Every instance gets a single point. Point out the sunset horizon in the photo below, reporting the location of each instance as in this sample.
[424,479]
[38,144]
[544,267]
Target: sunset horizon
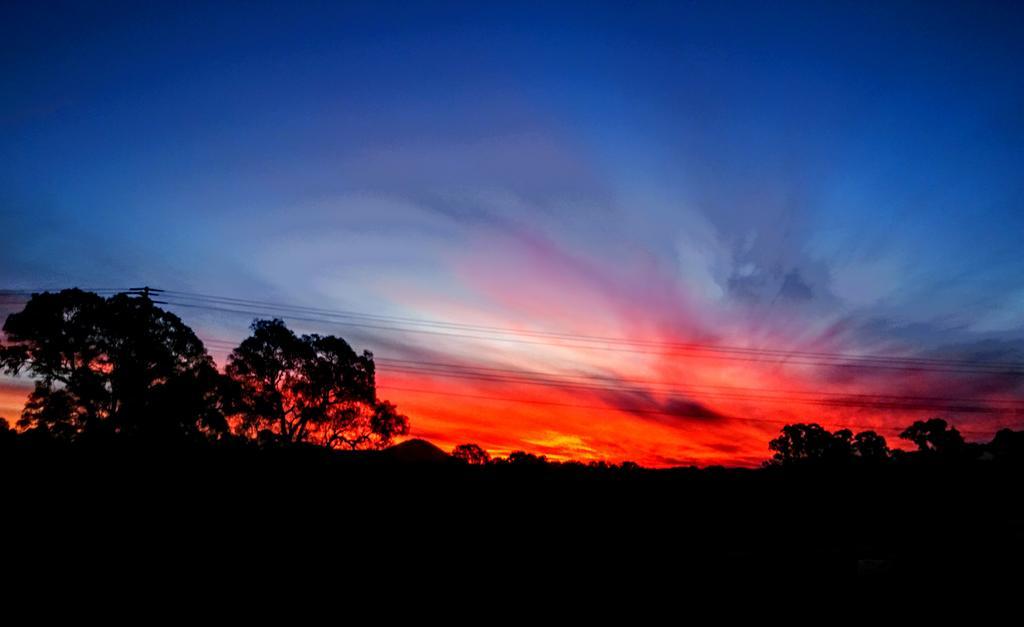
[509,302]
[512,400]
[718,202]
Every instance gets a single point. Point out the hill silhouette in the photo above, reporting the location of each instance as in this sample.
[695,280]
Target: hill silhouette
[416,451]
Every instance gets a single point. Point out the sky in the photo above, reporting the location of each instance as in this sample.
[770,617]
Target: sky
[645,231]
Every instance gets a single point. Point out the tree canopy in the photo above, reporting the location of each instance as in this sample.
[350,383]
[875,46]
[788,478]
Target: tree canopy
[934,436]
[309,388]
[118,364]
[804,443]
[471,454]
[123,365]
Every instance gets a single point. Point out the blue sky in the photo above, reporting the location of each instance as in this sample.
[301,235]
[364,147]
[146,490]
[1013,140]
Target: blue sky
[808,173]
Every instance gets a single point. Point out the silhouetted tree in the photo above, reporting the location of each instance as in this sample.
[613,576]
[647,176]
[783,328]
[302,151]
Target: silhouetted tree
[870,446]
[1008,446]
[523,458]
[311,388]
[811,443]
[119,365]
[366,426]
[842,444]
[471,454]
[934,436]
[802,443]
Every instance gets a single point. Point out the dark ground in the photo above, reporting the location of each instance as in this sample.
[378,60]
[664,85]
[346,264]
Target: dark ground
[442,527]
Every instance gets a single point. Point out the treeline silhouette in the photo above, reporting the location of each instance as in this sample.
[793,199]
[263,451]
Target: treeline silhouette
[122,366]
[291,453]
[811,445]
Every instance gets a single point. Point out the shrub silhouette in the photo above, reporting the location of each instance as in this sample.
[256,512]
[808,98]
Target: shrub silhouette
[1008,445]
[522,458]
[471,454]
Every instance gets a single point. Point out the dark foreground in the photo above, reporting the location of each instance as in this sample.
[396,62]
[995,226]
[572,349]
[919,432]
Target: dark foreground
[432,526]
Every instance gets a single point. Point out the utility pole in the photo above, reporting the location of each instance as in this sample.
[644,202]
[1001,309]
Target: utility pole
[146,292]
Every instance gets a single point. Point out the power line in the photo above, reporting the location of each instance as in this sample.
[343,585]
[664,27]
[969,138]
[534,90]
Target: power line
[980,369]
[590,338]
[821,358]
[586,382]
[901,402]
[751,394]
[97,290]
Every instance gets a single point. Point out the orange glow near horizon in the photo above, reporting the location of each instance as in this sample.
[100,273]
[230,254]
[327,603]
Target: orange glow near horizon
[723,428]
[644,397]
[546,352]
[587,421]
[12,399]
